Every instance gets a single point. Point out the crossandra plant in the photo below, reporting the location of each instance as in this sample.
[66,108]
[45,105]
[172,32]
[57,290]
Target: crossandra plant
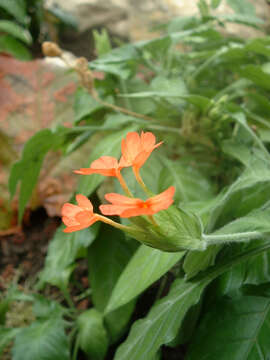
[196,283]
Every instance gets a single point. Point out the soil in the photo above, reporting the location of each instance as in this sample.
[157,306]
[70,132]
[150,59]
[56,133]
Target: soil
[25,250]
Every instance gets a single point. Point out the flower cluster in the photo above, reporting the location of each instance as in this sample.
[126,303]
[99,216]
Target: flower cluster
[136,148]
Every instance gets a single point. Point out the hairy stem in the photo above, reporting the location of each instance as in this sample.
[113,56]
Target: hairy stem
[229,238]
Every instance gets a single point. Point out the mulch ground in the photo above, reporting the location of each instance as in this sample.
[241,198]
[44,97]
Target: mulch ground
[24,251]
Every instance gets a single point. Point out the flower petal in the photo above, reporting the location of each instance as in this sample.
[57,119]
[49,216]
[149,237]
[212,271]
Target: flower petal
[131,146]
[137,148]
[141,159]
[118,199]
[70,229]
[70,210]
[135,212]
[105,165]
[147,141]
[161,201]
[86,218]
[105,162]
[84,202]
[69,221]
[108,209]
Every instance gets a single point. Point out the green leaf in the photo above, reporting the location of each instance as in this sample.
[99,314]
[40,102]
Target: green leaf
[243,19]
[203,8]
[255,270]
[140,105]
[171,89]
[189,183]
[242,6]
[242,324]
[145,267]
[197,261]
[257,75]
[165,87]
[248,192]
[180,23]
[258,220]
[215,3]
[65,17]
[162,323]
[16,8]
[63,250]
[92,335]
[201,102]
[43,340]
[259,46]
[27,169]
[14,47]
[102,42]
[6,336]
[85,104]
[45,308]
[120,61]
[107,258]
[240,151]
[154,50]
[15,30]
[4,307]
[110,145]
[258,104]
[117,321]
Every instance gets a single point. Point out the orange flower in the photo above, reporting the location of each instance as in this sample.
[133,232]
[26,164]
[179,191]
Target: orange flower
[78,217]
[136,149]
[128,207]
[105,165]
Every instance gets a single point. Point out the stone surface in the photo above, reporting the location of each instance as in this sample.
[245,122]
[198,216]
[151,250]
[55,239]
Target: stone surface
[133,19]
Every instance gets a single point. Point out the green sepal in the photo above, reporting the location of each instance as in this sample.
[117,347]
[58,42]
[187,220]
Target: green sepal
[176,230]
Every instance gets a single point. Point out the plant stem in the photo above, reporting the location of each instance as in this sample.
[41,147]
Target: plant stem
[67,297]
[120,109]
[115,224]
[123,184]
[124,90]
[153,221]
[92,91]
[229,238]
[164,128]
[141,182]
[76,348]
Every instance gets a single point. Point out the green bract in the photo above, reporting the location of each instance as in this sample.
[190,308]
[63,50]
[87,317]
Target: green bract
[176,230]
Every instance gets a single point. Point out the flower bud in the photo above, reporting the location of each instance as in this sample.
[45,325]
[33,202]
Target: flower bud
[85,73]
[51,49]
[177,230]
